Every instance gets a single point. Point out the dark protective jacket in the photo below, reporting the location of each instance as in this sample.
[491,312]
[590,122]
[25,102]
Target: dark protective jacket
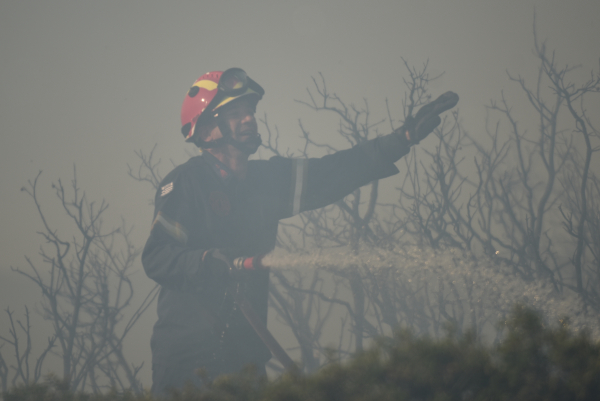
[200,206]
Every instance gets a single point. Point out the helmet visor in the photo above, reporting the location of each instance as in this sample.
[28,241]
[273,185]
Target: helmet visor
[235,82]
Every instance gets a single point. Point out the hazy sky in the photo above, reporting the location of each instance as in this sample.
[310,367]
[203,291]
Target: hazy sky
[89,82]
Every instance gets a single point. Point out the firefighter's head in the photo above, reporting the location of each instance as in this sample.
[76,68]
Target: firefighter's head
[219,109]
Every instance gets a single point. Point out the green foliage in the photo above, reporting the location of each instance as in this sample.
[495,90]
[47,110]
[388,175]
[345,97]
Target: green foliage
[536,362]
[533,362]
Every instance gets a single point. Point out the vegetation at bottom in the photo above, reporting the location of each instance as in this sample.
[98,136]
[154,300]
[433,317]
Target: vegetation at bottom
[532,362]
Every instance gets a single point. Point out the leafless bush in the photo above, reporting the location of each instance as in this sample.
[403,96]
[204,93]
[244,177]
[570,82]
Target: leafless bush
[85,282]
[459,247]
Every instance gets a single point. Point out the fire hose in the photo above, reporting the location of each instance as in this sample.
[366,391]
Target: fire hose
[239,265]
[254,319]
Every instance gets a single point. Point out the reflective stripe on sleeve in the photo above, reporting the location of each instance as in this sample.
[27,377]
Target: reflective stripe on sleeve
[300,166]
[172,228]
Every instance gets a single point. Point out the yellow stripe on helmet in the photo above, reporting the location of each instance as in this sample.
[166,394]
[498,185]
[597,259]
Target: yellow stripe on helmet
[206,84]
[229,99]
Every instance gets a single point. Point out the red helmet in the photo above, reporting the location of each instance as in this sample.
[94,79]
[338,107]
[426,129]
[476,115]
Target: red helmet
[211,91]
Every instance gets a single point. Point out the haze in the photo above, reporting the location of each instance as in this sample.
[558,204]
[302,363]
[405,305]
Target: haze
[88,83]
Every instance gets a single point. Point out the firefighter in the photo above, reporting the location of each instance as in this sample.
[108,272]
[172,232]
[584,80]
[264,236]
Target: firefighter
[219,207]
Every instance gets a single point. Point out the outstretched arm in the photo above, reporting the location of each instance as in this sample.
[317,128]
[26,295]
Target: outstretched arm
[314,183]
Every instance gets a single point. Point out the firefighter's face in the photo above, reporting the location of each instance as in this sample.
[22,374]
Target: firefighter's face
[240,118]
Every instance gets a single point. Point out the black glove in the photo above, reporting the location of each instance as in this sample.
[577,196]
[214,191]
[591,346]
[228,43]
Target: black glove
[229,263]
[427,118]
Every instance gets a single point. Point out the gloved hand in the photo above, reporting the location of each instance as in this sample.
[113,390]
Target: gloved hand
[427,118]
[229,263]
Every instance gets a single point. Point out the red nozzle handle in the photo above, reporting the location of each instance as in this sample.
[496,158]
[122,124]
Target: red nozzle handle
[251,263]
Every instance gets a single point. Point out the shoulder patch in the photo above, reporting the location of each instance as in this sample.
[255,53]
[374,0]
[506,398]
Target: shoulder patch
[166,189]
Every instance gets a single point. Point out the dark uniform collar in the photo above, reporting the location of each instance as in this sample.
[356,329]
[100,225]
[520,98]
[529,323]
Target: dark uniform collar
[220,169]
